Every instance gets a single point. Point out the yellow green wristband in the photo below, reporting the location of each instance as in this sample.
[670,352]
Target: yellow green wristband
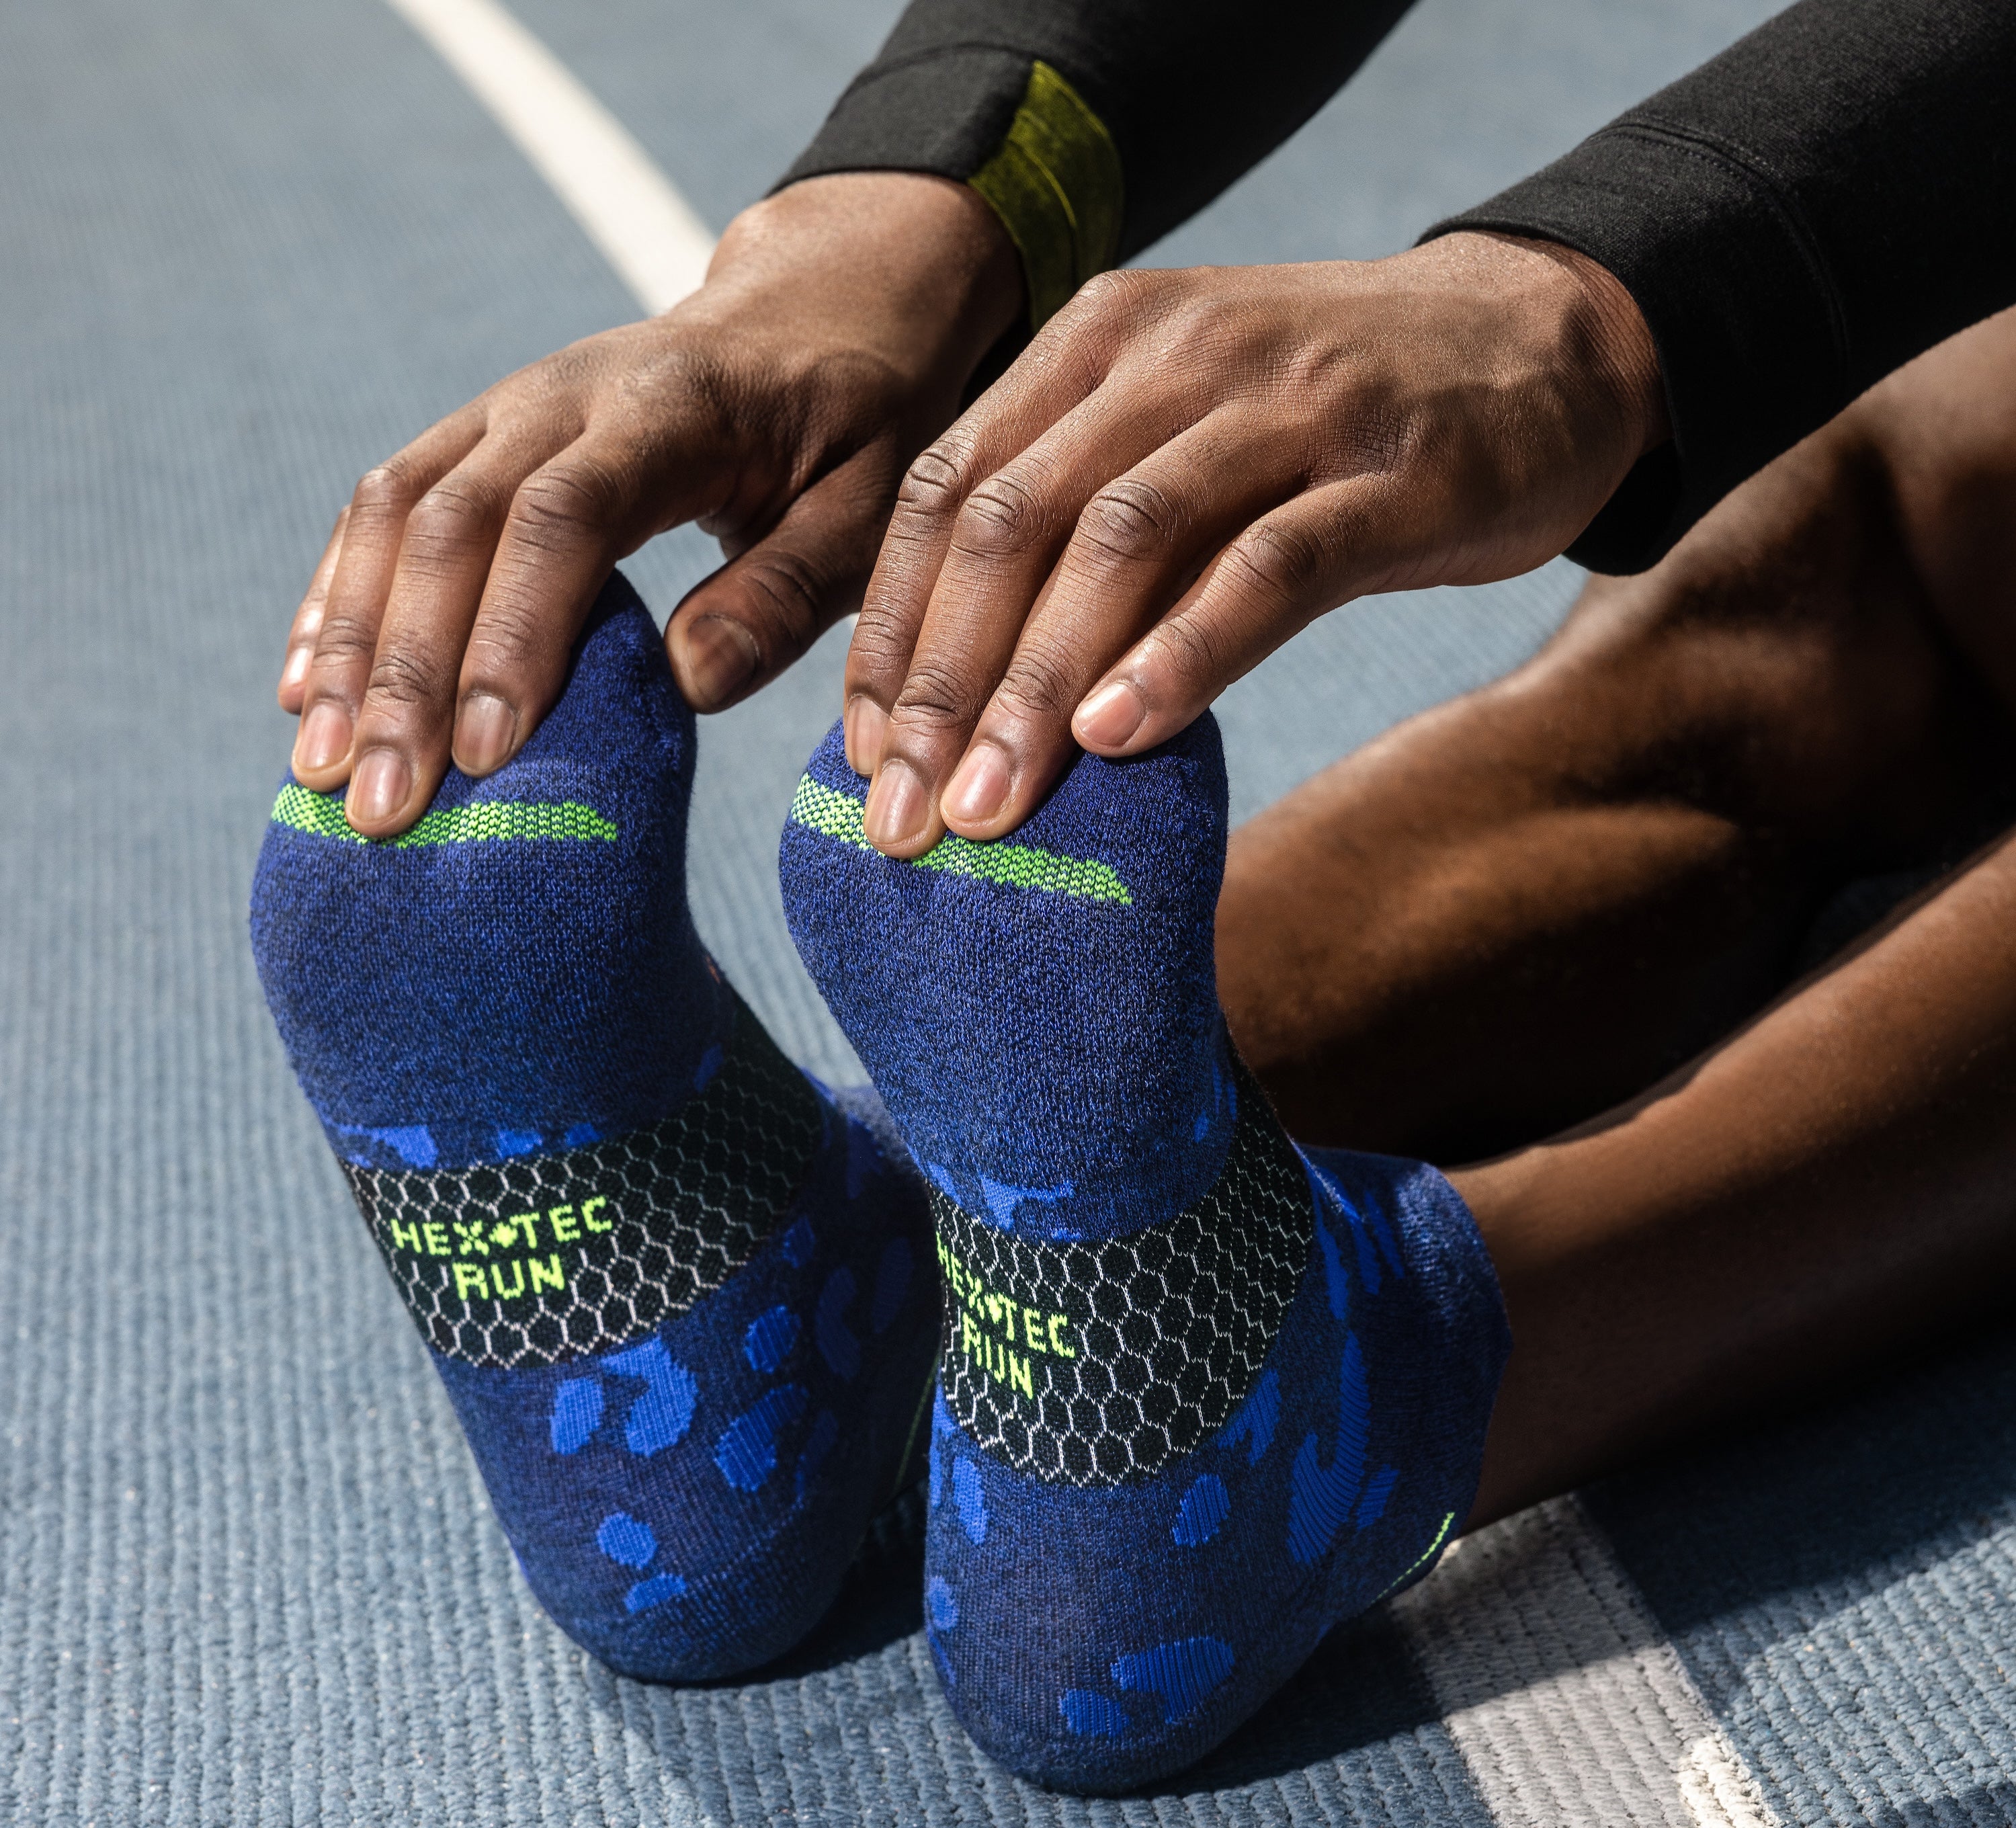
[1055,182]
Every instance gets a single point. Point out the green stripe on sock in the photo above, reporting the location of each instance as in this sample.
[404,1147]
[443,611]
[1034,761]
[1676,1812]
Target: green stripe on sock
[1441,1537]
[835,814]
[481,821]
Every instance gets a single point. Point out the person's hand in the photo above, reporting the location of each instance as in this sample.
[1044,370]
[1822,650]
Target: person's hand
[1186,468]
[840,323]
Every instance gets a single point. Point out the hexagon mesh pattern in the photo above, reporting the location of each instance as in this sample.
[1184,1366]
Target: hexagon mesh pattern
[1098,1362]
[548,1257]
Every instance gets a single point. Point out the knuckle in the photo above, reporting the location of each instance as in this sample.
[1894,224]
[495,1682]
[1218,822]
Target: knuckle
[1275,559]
[1116,292]
[1041,683]
[937,479]
[1078,346]
[1188,643]
[387,488]
[1205,321]
[564,503]
[505,637]
[344,639]
[1001,518]
[447,520]
[937,696]
[790,589]
[453,505]
[880,642]
[1130,520]
[400,680]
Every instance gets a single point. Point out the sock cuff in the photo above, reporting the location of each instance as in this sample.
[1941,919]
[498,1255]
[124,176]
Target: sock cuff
[1408,1213]
[1459,1261]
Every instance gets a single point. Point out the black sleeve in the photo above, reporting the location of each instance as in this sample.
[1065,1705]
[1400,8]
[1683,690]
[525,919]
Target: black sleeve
[1192,92]
[1830,197]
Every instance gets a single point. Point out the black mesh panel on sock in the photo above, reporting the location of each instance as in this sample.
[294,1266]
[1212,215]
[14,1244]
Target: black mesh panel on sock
[544,1258]
[1096,1362]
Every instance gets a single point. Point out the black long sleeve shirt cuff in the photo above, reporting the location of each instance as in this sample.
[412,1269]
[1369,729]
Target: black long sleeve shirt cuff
[1188,94]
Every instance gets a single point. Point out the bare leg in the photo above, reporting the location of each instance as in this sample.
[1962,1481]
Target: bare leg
[1833,1184]
[1524,908]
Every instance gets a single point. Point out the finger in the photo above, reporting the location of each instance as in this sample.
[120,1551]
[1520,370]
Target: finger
[1065,366]
[308,622]
[1005,542]
[568,523]
[1138,543]
[738,629]
[1312,553]
[346,642]
[404,722]
[956,662]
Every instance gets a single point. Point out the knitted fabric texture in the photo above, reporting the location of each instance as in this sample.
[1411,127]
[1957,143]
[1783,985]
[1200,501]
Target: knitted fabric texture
[680,1295]
[1202,1394]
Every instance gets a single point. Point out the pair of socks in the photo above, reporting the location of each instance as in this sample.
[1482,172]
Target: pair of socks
[1202,1394]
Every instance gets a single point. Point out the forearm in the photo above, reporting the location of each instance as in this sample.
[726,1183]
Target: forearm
[1795,219]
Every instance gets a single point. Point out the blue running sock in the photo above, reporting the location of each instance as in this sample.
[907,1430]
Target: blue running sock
[1202,1394]
[682,1296]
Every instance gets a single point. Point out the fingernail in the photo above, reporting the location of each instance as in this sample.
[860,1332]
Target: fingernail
[324,739]
[379,787]
[720,657]
[895,809]
[1109,718]
[484,733]
[297,668]
[867,722]
[979,787]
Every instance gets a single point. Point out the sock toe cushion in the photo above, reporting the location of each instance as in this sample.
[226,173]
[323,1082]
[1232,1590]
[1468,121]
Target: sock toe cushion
[518,970]
[1063,1043]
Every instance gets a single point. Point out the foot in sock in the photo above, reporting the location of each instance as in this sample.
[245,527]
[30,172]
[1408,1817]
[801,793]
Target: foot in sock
[681,1296]
[1202,1395]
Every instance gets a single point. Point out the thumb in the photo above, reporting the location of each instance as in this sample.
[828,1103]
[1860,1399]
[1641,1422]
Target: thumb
[738,629]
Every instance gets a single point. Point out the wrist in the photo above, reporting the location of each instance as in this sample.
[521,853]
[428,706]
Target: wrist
[922,256]
[1575,318]
[1608,334]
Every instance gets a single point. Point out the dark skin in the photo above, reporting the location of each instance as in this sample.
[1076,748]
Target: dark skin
[1187,468]
[1556,918]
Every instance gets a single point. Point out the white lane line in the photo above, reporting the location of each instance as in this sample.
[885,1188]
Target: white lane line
[1568,1704]
[630,210]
